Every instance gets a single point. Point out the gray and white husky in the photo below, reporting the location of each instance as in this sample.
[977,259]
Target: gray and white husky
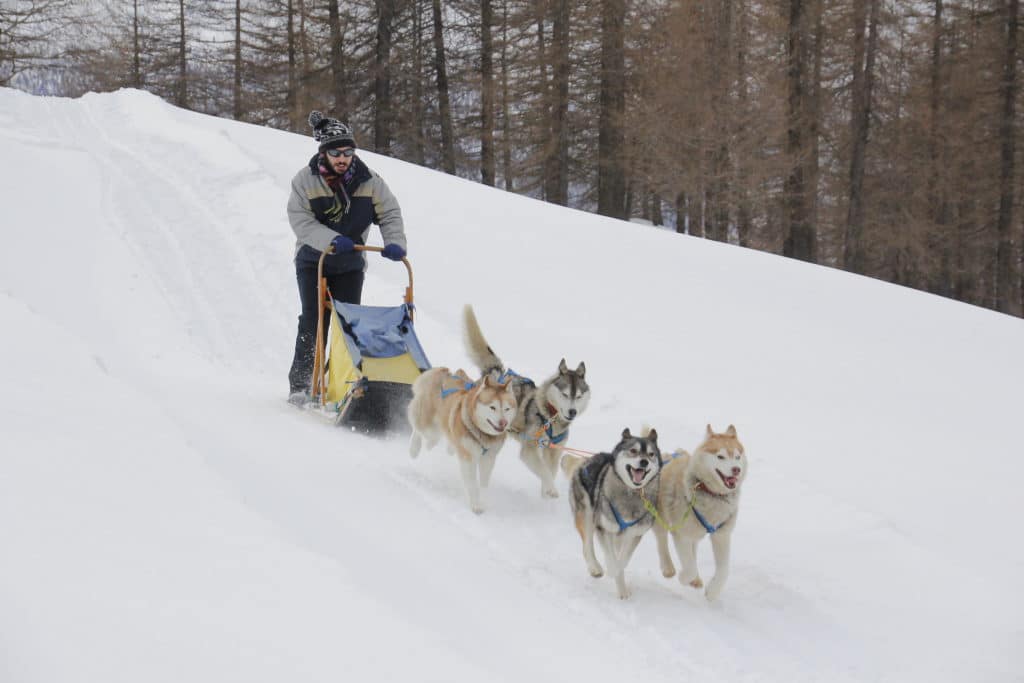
[545,411]
[610,497]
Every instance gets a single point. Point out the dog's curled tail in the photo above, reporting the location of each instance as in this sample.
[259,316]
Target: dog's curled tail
[479,350]
[570,463]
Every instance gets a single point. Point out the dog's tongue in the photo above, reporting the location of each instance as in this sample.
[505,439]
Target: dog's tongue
[638,476]
[731,482]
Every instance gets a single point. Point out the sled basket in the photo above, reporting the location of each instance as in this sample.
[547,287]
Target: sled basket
[372,358]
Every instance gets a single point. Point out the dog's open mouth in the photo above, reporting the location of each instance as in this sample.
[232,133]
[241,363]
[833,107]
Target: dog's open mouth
[495,427]
[730,481]
[636,474]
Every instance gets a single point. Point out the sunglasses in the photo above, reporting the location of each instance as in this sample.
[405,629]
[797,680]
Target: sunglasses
[341,153]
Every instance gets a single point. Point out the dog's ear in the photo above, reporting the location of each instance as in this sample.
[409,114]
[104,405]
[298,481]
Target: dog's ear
[731,431]
[652,436]
[581,370]
[562,367]
[626,434]
[711,432]
[489,381]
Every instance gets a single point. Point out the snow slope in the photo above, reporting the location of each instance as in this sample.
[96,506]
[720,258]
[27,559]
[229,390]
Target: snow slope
[164,516]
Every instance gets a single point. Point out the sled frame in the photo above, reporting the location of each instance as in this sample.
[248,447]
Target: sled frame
[326,306]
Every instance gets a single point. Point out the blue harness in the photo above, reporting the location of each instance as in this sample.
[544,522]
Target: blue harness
[623,524]
[510,374]
[703,522]
[505,377]
[552,439]
[445,393]
[590,483]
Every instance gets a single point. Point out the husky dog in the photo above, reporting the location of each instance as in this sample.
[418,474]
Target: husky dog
[608,495]
[545,411]
[473,416]
[699,495]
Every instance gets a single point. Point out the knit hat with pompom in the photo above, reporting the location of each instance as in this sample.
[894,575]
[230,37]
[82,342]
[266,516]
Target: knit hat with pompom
[330,132]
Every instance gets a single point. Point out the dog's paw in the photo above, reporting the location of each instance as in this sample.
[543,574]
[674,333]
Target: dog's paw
[625,594]
[668,572]
[477,509]
[714,590]
[596,571]
[549,493]
[696,583]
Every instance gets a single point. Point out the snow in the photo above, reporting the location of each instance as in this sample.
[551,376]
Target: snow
[165,516]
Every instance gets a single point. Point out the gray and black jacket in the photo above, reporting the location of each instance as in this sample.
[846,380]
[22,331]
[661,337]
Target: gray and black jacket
[318,214]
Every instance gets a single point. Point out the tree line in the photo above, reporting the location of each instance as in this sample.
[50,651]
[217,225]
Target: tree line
[876,136]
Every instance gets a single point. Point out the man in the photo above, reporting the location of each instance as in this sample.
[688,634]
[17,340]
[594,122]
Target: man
[333,201]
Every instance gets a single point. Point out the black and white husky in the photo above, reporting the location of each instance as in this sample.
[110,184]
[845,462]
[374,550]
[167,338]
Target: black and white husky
[545,410]
[610,497]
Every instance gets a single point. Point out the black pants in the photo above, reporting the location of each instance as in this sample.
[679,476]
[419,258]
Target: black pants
[347,288]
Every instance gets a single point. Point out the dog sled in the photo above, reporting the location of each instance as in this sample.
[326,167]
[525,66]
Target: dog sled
[366,360]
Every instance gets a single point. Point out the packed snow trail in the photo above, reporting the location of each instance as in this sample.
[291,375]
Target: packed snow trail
[166,516]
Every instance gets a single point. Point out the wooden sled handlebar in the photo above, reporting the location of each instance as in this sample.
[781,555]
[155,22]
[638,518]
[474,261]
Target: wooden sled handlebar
[405,261]
[360,247]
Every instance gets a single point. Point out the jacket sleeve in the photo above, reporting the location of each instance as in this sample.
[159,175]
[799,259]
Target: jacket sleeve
[308,230]
[388,214]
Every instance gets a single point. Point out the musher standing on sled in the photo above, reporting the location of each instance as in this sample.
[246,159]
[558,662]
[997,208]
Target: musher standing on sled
[334,199]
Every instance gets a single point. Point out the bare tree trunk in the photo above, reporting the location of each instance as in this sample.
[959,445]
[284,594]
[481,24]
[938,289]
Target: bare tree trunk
[940,240]
[815,115]
[487,170]
[681,215]
[720,15]
[558,161]
[743,213]
[236,89]
[965,280]
[611,175]
[547,107]
[1005,299]
[799,241]
[444,101]
[905,268]
[860,121]
[302,104]
[182,98]
[292,96]
[657,217]
[506,124]
[419,97]
[136,55]
[382,116]
[337,62]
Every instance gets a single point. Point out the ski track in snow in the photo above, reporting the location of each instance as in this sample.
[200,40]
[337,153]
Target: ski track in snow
[194,251]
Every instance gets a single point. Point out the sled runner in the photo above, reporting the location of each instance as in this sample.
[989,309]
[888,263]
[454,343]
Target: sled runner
[364,380]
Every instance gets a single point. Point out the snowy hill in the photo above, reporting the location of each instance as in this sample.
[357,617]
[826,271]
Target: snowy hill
[165,516]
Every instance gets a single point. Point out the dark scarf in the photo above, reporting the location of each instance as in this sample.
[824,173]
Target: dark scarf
[335,181]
